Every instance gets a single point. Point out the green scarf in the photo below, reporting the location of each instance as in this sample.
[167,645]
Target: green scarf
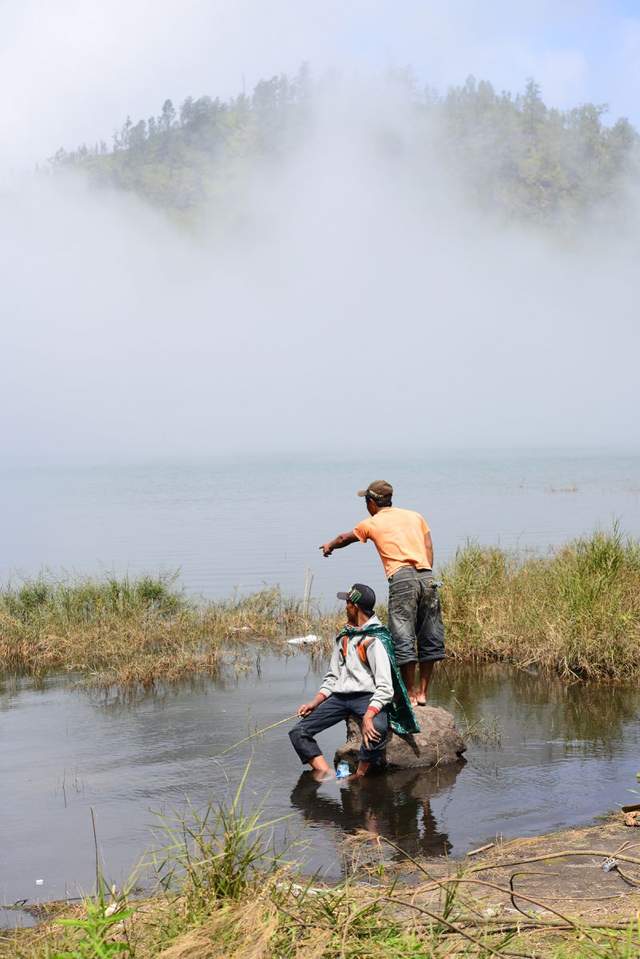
[401,716]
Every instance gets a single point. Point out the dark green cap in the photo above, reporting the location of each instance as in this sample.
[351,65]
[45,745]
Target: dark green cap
[360,595]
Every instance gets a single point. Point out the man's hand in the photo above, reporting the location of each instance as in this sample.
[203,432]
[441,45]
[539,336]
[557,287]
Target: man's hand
[306,708]
[344,539]
[370,734]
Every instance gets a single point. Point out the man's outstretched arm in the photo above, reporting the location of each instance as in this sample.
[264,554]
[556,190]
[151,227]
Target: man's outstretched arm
[343,539]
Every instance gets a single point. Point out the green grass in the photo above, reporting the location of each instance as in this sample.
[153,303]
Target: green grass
[575,612]
[87,600]
[136,632]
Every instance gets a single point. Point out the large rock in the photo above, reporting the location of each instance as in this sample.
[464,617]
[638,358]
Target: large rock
[437,744]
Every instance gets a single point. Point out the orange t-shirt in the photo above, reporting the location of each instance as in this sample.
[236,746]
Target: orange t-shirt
[398,535]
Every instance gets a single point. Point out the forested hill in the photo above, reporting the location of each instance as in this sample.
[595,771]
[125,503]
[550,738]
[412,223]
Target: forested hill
[514,155]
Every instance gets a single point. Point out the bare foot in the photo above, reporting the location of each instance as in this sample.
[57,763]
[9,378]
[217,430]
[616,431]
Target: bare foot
[322,775]
[361,771]
[320,769]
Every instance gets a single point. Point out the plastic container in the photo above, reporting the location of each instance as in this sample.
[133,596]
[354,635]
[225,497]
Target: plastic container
[343,770]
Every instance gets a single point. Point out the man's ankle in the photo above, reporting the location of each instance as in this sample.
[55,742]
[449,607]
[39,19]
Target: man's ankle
[362,770]
[321,768]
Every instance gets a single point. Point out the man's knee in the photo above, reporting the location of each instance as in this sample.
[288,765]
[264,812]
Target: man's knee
[375,752]
[304,743]
[295,735]
[403,634]
[431,643]
[381,726]
[405,654]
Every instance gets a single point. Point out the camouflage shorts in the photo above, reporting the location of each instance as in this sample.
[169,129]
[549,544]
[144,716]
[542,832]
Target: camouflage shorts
[415,617]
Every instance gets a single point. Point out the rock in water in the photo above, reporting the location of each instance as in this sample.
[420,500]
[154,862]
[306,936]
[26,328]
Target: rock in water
[437,744]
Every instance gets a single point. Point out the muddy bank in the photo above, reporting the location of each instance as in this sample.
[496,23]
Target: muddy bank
[550,891]
[561,869]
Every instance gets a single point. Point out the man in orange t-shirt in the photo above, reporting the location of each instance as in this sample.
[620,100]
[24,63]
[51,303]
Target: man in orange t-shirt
[403,541]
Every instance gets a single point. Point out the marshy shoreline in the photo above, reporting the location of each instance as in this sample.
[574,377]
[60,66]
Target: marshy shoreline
[574,612]
[222,892]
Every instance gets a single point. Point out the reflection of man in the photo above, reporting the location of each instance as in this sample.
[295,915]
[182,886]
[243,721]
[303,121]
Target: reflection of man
[358,682]
[403,541]
[397,805]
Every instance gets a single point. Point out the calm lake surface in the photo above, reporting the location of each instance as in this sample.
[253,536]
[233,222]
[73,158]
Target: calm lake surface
[565,755]
[242,523]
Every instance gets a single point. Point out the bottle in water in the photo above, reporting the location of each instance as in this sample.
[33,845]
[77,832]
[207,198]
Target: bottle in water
[343,770]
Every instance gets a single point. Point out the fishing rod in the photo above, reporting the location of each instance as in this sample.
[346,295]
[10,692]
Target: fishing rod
[258,732]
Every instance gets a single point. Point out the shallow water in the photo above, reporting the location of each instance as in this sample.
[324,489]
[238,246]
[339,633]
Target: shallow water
[241,523]
[567,754]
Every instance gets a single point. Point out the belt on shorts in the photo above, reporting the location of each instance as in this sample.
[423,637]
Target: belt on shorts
[413,569]
[417,569]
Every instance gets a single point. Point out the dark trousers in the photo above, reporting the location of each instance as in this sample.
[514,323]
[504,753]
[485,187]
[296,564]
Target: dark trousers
[337,707]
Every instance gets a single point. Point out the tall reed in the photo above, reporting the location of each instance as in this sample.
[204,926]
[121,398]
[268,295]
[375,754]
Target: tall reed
[576,611]
[137,632]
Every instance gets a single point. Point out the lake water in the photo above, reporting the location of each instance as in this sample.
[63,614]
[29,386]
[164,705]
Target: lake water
[565,755]
[242,523]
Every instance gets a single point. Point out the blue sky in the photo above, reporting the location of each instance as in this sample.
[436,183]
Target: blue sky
[576,51]
[81,67]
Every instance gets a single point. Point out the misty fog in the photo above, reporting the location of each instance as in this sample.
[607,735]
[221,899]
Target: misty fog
[352,298]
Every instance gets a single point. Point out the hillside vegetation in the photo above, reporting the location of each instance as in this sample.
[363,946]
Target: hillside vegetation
[510,154]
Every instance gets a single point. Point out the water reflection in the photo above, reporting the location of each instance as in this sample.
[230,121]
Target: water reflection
[244,661]
[396,804]
[581,714]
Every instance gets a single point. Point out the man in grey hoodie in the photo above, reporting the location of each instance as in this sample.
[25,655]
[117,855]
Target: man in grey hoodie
[358,682]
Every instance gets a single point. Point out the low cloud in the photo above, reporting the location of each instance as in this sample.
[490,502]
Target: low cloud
[361,304]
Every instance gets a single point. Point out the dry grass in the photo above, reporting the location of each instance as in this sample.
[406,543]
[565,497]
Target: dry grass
[576,611]
[225,893]
[450,911]
[136,633]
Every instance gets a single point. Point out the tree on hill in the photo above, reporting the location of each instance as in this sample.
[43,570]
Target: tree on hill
[513,155]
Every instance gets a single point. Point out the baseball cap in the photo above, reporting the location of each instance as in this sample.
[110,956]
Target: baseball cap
[360,595]
[379,489]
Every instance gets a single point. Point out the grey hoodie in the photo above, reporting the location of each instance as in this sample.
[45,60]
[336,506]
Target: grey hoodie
[353,676]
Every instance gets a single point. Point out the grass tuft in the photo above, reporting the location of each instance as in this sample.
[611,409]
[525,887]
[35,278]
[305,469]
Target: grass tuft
[226,895]
[575,611]
[136,633]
